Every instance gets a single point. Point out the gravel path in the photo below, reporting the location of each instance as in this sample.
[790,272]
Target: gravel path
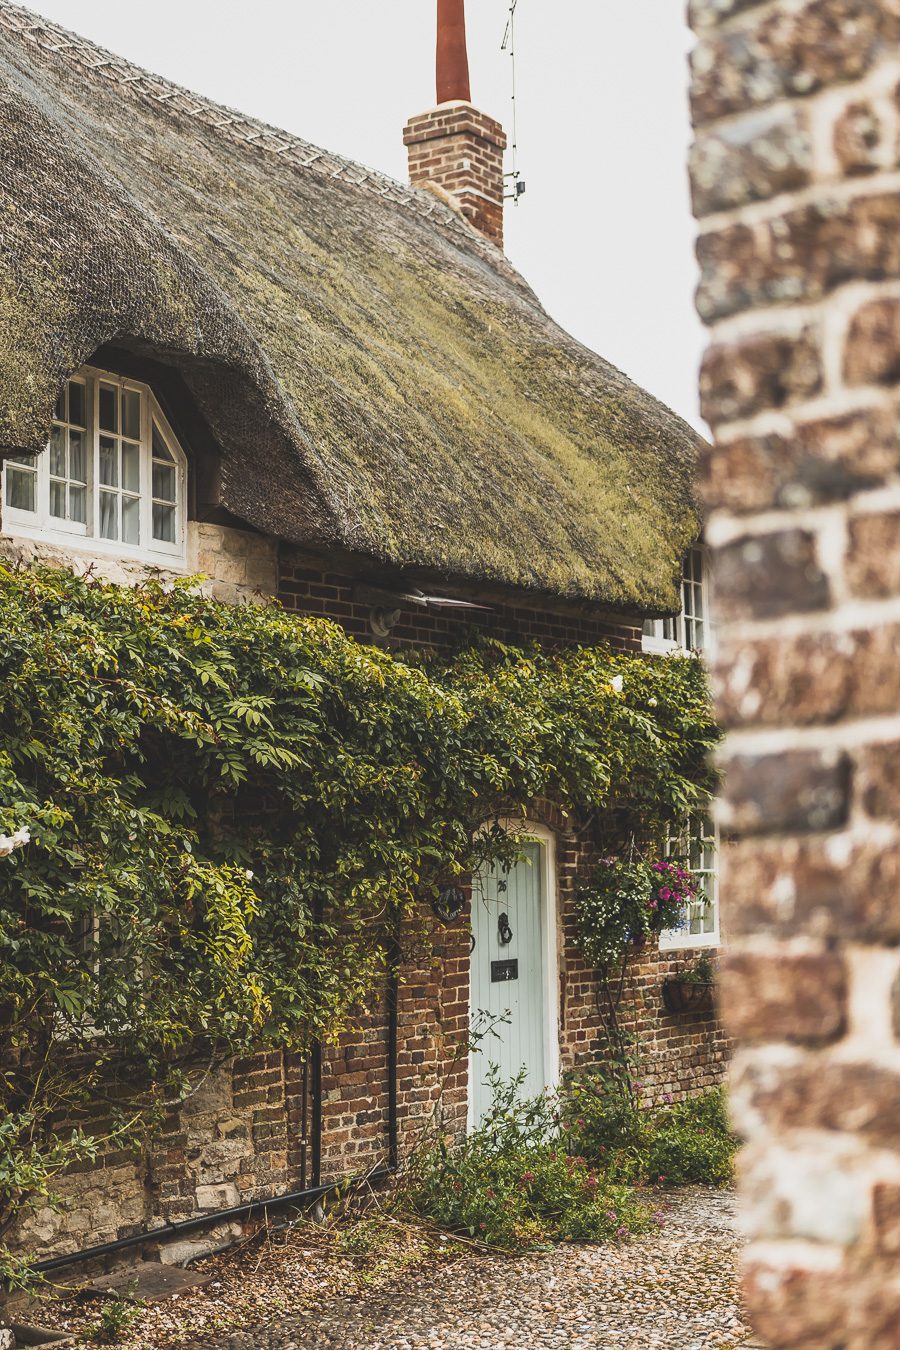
[675,1288]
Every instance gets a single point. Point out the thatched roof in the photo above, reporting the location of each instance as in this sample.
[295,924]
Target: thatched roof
[379,378]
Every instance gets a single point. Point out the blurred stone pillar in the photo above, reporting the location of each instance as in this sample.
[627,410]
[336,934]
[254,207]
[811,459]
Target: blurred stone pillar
[796,180]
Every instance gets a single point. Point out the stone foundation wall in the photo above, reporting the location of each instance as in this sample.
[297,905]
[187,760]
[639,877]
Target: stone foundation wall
[796,174]
[239,566]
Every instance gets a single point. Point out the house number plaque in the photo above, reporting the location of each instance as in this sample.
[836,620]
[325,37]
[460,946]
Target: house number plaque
[502,971]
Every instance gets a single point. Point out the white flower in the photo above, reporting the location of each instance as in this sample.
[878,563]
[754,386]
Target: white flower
[652,702]
[249,874]
[6,845]
[616,683]
[22,836]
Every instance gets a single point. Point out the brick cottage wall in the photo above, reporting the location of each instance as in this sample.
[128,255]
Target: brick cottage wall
[243,1134]
[796,179]
[678,1055]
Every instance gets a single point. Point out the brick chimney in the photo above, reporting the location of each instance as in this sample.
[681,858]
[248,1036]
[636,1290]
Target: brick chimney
[455,147]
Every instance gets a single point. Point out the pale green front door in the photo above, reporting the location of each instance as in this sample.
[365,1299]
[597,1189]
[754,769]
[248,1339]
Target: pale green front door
[509,991]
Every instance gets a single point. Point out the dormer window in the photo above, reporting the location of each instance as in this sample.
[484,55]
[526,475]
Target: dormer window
[689,631]
[113,474]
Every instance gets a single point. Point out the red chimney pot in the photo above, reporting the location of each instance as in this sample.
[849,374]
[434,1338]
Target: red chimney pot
[452,57]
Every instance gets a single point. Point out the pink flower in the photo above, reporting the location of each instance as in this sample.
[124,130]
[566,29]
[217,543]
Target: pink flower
[665,893]
[622,1232]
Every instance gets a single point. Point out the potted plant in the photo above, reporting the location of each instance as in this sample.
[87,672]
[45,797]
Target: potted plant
[691,989]
[623,904]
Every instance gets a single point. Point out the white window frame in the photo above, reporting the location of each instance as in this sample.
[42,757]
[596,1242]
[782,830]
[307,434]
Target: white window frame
[666,636]
[40,525]
[681,939]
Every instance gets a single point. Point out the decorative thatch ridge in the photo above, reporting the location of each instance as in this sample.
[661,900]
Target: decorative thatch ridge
[379,378]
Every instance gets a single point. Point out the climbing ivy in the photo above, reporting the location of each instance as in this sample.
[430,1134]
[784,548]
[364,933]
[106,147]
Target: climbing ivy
[227,804]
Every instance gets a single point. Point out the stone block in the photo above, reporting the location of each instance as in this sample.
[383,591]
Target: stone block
[770,575]
[873,554]
[812,1188]
[223,1195]
[809,678]
[751,159]
[788,50]
[801,254]
[767,370]
[798,1091]
[784,996]
[787,793]
[825,888]
[878,780]
[861,138]
[872,349]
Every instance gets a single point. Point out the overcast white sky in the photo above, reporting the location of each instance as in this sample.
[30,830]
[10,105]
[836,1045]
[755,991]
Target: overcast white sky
[604,233]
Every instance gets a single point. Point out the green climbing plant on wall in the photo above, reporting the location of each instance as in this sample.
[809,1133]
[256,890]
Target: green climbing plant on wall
[225,807]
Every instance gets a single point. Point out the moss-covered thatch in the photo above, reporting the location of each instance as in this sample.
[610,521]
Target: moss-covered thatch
[378,376]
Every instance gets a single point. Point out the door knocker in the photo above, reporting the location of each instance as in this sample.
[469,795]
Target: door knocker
[504,932]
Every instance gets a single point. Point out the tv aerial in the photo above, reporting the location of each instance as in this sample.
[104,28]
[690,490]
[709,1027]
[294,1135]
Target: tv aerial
[514,182]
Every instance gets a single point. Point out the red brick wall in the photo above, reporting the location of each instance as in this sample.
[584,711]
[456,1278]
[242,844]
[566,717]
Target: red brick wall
[460,150]
[795,172]
[677,1054]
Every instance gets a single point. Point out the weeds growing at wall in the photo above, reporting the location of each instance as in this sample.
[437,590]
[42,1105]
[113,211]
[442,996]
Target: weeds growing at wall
[674,1144]
[228,808]
[512,1184]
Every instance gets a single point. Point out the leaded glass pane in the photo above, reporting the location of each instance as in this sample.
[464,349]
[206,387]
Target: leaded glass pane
[164,523]
[164,482]
[58,452]
[131,467]
[78,504]
[21,489]
[160,449]
[131,414]
[109,408]
[131,520]
[76,404]
[57,499]
[109,464]
[109,513]
[77,457]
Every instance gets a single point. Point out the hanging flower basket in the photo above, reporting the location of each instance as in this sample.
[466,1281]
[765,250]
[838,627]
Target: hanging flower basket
[688,996]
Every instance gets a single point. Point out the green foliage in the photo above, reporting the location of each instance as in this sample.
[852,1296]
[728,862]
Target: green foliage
[230,806]
[511,1184]
[672,1145]
[624,902]
[703,971]
[117,1316]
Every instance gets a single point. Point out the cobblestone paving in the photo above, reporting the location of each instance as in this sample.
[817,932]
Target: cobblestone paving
[676,1288]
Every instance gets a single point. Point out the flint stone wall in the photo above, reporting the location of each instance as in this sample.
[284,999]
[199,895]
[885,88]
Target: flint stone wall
[796,180]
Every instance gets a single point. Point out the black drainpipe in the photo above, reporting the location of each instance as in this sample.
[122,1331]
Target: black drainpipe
[393,986]
[316,1072]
